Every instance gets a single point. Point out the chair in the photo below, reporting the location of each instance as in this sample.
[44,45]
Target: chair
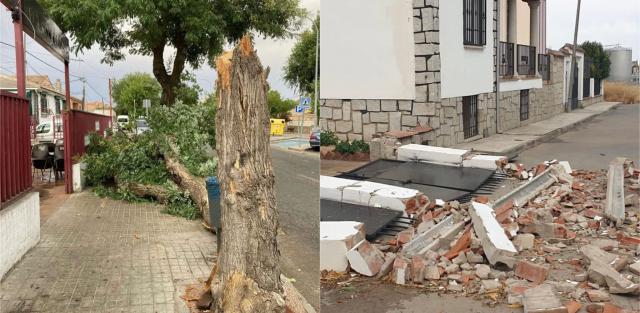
[58,160]
[41,159]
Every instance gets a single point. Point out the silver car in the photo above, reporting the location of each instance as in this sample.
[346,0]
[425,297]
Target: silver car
[141,126]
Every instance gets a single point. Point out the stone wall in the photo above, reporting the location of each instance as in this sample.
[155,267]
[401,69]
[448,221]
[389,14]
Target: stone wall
[544,102]
[363,119]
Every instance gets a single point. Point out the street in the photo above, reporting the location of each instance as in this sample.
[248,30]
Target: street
[297,187]
[594,144]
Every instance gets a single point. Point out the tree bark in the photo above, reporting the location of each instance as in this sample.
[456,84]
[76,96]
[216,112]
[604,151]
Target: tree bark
[193,184]
[141,190]
[248,260]
[169,81]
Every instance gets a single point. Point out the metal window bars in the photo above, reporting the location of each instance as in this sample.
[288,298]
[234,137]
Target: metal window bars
[526,60]
[470,116]
[524,105]
[544,66]
[475,22]
[506,59]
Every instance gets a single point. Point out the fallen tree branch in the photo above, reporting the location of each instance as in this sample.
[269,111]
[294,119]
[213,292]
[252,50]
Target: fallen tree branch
[191,183]
[156,192]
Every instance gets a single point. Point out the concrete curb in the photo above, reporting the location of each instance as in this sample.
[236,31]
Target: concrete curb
[514,152]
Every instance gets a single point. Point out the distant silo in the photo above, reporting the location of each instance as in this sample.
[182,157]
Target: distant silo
[620,58]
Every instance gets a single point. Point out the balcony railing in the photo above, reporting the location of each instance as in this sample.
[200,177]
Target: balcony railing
[544,66]
[526,60]
[506,59]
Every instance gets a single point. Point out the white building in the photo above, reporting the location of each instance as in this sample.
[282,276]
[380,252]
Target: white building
[431,68]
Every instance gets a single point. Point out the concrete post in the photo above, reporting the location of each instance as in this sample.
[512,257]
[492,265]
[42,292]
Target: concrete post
[512,21]
[534,24]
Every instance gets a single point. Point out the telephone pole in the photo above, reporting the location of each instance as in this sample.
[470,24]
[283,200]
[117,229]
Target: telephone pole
[572,79]
[110,104]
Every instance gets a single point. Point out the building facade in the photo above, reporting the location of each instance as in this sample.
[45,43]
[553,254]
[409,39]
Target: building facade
[457,71]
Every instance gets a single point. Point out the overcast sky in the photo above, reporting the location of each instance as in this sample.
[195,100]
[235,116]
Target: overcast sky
[606,21]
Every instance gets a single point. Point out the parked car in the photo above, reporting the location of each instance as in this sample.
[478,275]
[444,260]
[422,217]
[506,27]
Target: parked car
[122,121]
[314,139]
[44,131]
[141,126]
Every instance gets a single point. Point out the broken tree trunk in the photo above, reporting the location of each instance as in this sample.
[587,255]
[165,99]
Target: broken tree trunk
[193,184]
[144,191]
[248,260]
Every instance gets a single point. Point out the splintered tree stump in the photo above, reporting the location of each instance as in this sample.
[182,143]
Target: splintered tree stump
[248,279]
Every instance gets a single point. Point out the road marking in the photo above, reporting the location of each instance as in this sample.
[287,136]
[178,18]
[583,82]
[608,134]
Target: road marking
[316,180]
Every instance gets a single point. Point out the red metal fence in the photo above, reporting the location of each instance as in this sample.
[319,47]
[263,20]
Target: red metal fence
[78,126]
[15,146]
[82,124]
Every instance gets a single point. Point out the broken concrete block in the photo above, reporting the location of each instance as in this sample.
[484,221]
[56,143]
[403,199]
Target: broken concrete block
[530,189]
[405,236]
[635,268]
[496,245]
[336,239]
[365,258]
[423,153]
[602,273]
[387,266]
[524,241]
[594,254]
[490,284]
[614,203]
[483,271]
[434,238]
[452,269]
[489,162]
[401,271]
[432,272]
[462,243]
[371,194]
[474,258]
[532,272]
[605,244]
[542,299]
[598,296]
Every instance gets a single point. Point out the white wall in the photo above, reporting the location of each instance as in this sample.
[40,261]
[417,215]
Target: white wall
[19,230]
[520,84]
[367,49]
[567,70]
[467,70]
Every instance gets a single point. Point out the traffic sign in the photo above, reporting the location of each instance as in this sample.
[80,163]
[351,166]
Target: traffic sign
[299,109]
[146,103]
[305,102]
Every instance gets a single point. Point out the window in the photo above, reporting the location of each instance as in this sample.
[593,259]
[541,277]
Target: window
[475,22]
[470,116]
[44,105]
[524,105]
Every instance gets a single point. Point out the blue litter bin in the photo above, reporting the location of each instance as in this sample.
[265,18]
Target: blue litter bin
[213,191]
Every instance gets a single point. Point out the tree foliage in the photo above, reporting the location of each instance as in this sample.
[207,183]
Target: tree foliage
[188,90]
[193,31]
[279,107]
[600,59]
[133,88]
[299,71]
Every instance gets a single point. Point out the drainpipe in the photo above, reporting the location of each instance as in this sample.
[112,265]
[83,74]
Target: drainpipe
[497,73]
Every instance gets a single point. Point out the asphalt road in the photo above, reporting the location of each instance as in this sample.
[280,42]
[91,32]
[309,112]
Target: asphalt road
[297,187]
[594,144]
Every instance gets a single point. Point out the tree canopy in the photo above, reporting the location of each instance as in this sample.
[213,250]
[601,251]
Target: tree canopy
[279,107]
[600,59]
[189,31]
[299,71]
[133,88]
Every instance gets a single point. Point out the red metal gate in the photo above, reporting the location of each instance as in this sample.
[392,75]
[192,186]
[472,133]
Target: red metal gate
[15,146]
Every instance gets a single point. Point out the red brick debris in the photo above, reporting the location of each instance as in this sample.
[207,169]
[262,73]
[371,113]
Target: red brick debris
[562,240]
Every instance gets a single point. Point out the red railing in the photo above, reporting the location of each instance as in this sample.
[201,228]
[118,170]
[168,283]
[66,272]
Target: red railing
[15,146]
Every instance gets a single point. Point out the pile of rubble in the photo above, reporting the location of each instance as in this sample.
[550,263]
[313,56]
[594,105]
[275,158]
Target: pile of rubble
[561,240]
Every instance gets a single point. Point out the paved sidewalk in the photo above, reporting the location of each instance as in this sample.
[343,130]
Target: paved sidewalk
[513,141]
[101,255]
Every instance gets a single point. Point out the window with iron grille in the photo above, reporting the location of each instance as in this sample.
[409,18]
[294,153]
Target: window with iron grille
[543,66]
[526,60]
[470,116]
[524,105]
[506,58]
[475,22]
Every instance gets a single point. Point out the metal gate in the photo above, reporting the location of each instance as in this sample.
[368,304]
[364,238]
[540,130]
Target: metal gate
[586,78]
[573,100]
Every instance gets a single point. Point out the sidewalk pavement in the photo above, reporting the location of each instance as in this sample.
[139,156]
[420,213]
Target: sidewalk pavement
[511,142]
[102,255]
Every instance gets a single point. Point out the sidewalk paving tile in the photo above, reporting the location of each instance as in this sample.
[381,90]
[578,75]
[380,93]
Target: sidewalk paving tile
[101,255]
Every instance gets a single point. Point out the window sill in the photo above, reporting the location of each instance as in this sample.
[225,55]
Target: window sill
[472,138]
[475,47]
